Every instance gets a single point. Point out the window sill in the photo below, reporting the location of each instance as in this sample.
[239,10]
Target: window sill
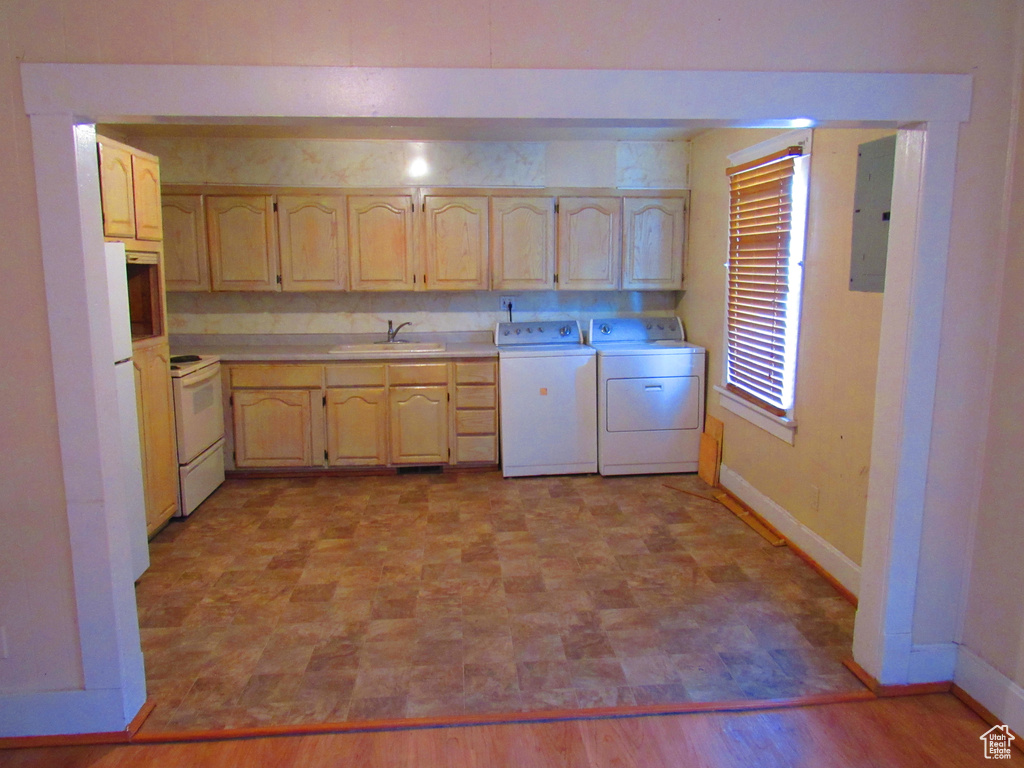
[780,427]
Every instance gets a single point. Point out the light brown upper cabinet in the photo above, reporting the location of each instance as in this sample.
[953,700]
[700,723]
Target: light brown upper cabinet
[186,264]
[312,243]
[129,191]
[455,239]
[380,237]
[589,243]
[146,188]
[653,237]
[523,243]
[241,235]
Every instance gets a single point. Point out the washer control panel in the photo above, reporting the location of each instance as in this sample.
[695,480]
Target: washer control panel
[606,329]
[538,332]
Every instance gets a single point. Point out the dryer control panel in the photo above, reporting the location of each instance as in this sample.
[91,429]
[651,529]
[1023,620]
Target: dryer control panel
[609,329]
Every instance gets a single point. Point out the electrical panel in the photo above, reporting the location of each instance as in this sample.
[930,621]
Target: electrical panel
[872,202]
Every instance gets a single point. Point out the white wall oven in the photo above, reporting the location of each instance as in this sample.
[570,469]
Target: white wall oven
[199,423]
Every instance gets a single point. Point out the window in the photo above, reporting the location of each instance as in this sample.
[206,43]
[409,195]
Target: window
[767,222]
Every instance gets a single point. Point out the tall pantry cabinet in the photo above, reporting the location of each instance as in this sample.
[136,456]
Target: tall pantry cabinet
[130,195]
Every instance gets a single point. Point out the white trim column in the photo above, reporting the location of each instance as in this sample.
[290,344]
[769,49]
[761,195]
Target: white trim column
[908,364]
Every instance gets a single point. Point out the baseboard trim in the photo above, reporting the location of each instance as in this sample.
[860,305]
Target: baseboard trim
[807,544]
[997,694]
[981,711]
[890,691]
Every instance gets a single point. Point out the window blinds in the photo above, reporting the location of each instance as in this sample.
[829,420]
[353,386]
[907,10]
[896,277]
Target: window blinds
[760,228]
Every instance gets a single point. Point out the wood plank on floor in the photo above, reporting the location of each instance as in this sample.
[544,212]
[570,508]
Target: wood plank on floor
[932,731]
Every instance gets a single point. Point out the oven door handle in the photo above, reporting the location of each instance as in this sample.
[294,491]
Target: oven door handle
[195,379]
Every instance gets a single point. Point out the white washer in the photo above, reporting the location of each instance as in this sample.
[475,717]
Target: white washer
[650,397]
[548,399]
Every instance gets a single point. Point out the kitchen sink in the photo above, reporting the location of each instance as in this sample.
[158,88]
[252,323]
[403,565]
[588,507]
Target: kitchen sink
[384,348]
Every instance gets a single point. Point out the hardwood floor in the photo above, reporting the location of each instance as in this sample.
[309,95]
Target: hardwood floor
[934,731]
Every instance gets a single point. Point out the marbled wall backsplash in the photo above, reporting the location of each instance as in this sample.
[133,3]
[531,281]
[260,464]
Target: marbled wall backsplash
[292,313]
[352,163]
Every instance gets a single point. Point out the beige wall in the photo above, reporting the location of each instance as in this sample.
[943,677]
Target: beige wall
[806,35]
[994,621]
[821,479]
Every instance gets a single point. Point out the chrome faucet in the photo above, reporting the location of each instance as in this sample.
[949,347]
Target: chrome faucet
[392,331]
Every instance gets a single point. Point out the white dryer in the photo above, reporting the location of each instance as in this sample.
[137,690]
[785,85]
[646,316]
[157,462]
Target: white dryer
[548,399]
[650,396]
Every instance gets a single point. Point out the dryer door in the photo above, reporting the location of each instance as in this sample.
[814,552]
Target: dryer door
[651,404]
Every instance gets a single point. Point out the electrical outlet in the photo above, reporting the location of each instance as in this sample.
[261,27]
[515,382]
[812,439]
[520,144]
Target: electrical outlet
[507,303]
[3,643]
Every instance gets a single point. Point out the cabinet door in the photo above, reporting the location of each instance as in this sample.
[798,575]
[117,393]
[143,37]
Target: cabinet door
[240,233]
[273,428]
[146,187]
[357,427]
[456,243]
[311,232]
[156,433]
[186,264]
[652,258]
[589,243]
[380,243]
[523,243]
[116,190]
[419,424]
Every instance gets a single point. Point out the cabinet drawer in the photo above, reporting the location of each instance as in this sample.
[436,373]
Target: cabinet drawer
[474,373]
[276,376]
[474,397]
[476,422]
[483,448]
[418,373]
[355,375]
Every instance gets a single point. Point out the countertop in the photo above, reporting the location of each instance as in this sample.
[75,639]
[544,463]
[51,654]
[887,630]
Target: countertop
[316,347]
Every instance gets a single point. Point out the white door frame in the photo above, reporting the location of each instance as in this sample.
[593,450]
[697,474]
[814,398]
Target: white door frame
[64,101]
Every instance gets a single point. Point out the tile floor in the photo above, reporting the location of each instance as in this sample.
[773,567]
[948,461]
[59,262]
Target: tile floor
[291,601]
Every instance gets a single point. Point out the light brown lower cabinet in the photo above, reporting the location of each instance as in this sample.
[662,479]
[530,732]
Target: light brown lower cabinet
[419,424]
[357,427]
[155,402]
[273,428]
[476,412]
[363,414]
[277,416]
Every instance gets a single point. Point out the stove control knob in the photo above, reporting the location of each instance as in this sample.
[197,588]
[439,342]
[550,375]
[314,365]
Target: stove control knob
[648,326]
[605,328]
[518,331]
[539,329]
[564,330]
[529,330]
[506,332]
[661,327]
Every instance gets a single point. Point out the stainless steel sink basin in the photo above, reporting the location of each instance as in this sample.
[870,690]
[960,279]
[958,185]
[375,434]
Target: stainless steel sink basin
[387,348]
